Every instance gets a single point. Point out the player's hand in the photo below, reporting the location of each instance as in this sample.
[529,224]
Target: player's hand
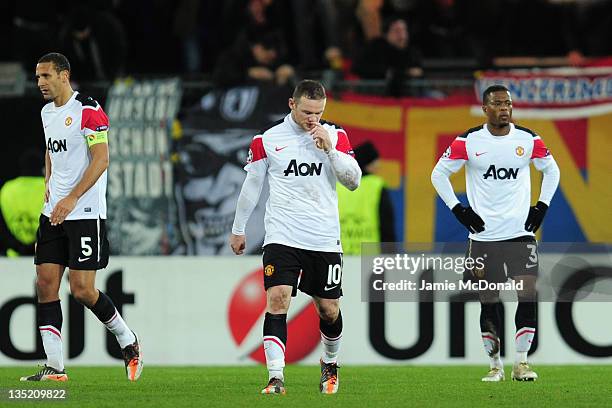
[469,218]
[535,217]
[63,208]
[321,137]
[260,74]
[284,73]
[238,243]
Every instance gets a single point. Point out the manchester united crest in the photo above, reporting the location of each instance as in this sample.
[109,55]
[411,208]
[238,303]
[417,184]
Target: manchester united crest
[269,270]
[68,121]
[520,151]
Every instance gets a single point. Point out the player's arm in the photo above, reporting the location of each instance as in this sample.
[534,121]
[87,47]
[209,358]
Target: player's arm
[47,174]
[544,162]
[257,167]
[97,166]
[451,162]
[341,157]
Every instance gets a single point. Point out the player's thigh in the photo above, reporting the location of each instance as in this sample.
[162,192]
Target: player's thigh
[487,261]
[322,274]
[281,266]
[51,243]
[87,244]
[521,257]
[48,281]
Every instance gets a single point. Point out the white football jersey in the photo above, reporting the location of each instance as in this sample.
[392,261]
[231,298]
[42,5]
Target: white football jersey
[497,178]
[69,130]
[302,209]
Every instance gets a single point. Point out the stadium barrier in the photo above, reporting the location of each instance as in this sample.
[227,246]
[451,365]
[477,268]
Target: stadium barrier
[209,311]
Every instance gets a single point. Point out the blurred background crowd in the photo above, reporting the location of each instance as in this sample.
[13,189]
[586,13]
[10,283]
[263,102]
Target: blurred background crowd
[233,41]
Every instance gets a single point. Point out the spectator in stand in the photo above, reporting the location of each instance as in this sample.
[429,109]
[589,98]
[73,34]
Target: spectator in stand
[187,27]
[372,14]
[585,28]
[256,57]
[34,31]
[451,29]
[253,15]
[95,43]
[391,57]
[316,36]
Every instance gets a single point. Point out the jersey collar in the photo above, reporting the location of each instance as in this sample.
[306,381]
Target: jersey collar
[294,126]
[486,129]
[60,108]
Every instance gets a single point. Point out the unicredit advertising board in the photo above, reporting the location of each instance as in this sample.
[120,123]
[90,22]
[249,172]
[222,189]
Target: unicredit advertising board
[209,311]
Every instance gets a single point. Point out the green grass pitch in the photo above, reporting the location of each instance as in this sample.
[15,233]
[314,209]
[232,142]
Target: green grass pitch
[390,386]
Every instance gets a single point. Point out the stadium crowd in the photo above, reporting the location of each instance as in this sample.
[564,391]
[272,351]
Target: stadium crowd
[236,40]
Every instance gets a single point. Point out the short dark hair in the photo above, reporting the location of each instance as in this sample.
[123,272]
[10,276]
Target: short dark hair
[490,90]
[310,89]
[389,21]
[59,60]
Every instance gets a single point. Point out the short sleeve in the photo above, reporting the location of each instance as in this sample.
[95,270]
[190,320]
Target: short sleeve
[540,155]
[94,125]
[257,157]
[343,144]
[455,156]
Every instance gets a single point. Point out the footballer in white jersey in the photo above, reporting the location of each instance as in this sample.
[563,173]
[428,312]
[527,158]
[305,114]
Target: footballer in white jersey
[70,130]
[499,218]
[71,230]
[302,157]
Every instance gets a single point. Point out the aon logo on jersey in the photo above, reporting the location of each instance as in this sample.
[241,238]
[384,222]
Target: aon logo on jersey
[303,169]
[501,173]
[55,146]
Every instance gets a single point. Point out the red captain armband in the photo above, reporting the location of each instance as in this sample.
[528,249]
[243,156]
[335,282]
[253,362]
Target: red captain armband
[256,150]
[343,145]
[539,150]
[456,151]
[94,119]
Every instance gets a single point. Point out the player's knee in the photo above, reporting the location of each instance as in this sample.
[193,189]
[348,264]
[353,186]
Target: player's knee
[329,312]
[278,302]
[83,294]
[46,287]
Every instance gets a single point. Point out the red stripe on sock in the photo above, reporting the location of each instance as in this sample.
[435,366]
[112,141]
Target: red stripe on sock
[112,318]
[490,338]
[51,330]
[519,334]
[273,339]
[331,339]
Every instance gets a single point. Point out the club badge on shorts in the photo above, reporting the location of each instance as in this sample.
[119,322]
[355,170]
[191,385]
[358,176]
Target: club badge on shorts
[269,270]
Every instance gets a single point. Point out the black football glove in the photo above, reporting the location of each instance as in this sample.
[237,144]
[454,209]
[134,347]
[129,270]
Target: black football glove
[469,218]
[535,217]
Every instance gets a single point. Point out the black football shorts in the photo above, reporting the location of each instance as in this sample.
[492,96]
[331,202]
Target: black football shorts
[312,272]
[500,260]
[78,244]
